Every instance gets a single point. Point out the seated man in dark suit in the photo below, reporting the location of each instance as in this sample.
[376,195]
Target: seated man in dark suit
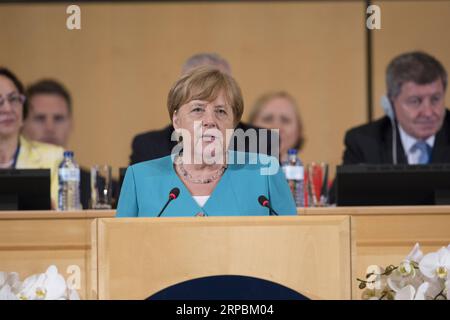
[415,110]
[157,144]
[416,84]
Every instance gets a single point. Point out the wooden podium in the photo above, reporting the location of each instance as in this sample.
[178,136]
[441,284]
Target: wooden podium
[139,257]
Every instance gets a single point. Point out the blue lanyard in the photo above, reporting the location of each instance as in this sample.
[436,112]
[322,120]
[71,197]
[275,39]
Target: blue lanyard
[16,155]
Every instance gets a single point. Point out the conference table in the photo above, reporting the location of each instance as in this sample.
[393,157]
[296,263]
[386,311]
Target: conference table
[319,253]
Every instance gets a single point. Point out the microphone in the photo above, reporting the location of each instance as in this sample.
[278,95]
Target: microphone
[173,194]
[265,203]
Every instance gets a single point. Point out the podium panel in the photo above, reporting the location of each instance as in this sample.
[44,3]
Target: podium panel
[32,241]
[385,240]
[385,235]
[139,257]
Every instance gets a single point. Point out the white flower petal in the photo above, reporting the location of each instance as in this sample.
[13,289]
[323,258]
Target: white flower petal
[407,293]
[428,264]
[6,293]
[446,259]
[442,255]
[415,255]
[420,293]
[55,287]
[395,282]
[52,271]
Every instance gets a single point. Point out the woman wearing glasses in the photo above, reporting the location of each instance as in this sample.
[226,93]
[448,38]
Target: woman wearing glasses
[15,150]
[209,179]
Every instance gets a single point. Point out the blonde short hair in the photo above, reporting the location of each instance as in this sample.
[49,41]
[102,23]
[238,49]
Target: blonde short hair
[205,83]
[262,101]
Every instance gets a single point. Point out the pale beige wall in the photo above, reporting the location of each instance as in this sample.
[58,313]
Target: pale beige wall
[408,26]
[120,66]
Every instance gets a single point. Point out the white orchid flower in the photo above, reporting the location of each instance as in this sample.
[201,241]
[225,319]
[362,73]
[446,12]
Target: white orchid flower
[30,286]
[407,266]
[410,293]
[46,286]
[49,286]
[436,265]
[406,273]
[6,293]
[55,286]
[397,281]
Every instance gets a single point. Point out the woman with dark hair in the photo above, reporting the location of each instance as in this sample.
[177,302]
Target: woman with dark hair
[15,150]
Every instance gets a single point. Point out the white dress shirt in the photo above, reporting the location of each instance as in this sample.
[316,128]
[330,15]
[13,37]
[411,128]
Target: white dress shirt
[408,142]
[201,200]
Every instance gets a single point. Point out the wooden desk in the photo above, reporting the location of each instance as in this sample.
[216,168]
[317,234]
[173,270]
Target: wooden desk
[385,235]
[30,241]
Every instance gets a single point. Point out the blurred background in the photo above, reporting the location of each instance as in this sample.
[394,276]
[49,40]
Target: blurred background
[120,65]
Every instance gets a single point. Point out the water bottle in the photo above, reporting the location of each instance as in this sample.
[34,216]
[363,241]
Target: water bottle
[69,183]
[293,170]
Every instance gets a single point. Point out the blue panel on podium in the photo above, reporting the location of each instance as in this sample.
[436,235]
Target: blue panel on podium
[227,287]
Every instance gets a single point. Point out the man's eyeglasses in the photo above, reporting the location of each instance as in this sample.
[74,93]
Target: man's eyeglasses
[15,100]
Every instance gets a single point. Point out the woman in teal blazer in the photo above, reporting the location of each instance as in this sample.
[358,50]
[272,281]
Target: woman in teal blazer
[205,105]
[147,186]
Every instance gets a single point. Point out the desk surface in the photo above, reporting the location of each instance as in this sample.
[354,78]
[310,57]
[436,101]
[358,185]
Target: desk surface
[373,210]
[32,240]
[376,210]
[53,214]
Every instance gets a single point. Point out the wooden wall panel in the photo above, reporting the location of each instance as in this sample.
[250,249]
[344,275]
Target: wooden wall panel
[409,26]
[120,65]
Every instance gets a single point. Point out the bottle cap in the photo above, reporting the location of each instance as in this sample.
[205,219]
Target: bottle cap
[68,154]
[292,152]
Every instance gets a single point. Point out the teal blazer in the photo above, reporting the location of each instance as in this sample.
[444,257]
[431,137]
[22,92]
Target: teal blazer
[146,189]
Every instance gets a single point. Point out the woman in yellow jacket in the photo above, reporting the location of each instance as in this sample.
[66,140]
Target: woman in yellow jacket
[15,150]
